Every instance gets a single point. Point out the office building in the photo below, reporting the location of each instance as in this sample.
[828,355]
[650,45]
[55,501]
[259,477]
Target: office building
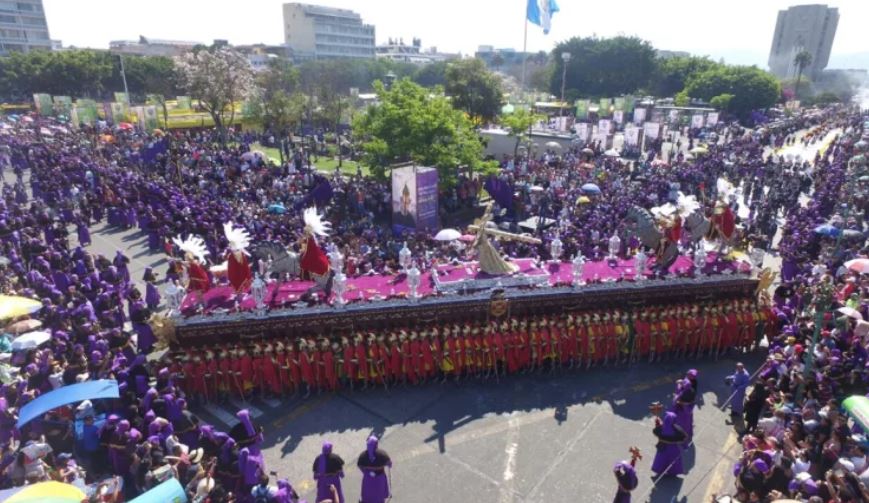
[23,27]
[151,47]
[315,32]
[396,50]
[800,28]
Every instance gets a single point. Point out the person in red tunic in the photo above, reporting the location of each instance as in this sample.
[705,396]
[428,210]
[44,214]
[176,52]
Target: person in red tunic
[380,354]
[395,360]
[317,365]
[455,351]
[436,350]
[306,366]
[293,359]
[416,357]
[237,265]
[427,351]
[409,373]
[328,357]
[499,349]
[199,282]
[256,361]
[595,339]
[282,368]
[511,345]
[270,371]
[348,362]
[200,387]
[361,354]
[246,368]
[224,386]
[211,374]
[723,223]
[610,342]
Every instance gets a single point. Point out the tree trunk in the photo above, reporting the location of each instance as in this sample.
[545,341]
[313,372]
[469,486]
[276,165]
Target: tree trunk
[165,115]
[338,142]
[797,85]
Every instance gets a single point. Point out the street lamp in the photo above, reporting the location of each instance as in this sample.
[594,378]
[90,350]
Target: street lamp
[565,58]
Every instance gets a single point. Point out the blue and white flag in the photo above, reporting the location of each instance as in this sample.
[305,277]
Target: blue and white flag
[540,13]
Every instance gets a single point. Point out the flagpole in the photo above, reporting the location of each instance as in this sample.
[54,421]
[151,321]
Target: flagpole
[524,52]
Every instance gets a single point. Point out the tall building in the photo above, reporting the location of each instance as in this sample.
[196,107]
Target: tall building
[315,32]
[803,28]
[23,27]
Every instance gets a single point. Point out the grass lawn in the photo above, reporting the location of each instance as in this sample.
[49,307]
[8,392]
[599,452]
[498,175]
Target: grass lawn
[324,164]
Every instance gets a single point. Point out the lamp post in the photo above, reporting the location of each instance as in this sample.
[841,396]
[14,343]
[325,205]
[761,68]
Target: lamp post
[565,58]
[124,78]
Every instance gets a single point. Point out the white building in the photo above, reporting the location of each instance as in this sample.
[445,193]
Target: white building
[23,27]
[151,47]
[316,32]
[397,50]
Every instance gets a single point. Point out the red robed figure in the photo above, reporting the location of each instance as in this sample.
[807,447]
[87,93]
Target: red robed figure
[314,260]
[238,271]
[199,280]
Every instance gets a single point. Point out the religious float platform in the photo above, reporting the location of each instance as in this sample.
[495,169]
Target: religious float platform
[458,292]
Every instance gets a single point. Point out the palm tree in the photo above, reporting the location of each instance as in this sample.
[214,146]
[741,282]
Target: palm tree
[801,61]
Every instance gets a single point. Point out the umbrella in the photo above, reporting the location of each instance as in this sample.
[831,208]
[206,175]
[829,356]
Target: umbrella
[157,132]
[30,340]
[850,312]
[860,265]
[864,178]
[587,151]
[23,326]
[862,328]
[126,126]
[852,233]
[468,238]
[611,153]
[47,492]
[447,235]
[862,144]
[536,188]
[247,156]
[45,131]
[554,145]
[699,150]
[591,188]
[827,230]
[12,306]
[277,208]
[4,260]
[583,200]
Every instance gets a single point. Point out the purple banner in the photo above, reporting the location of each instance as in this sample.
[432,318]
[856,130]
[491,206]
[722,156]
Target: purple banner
[427,199]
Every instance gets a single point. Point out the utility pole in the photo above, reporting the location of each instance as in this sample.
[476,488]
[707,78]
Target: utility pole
[124,78]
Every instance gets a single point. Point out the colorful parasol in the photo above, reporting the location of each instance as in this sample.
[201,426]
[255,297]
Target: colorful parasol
[12,306]
[48,492]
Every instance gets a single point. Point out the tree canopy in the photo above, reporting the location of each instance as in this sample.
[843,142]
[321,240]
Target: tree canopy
[474,89]
[672,74]
[411,124]
[751,88]
[603,66]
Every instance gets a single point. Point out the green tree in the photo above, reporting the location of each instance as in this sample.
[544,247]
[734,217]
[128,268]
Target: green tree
[218,78]
[409,124]
[722,101]
[603,66]
[518,124]
[801,60]
[671,74]
[474,89]
[751,87]
[432,74]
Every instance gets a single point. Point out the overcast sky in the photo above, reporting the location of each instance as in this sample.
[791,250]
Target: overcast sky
[738,30]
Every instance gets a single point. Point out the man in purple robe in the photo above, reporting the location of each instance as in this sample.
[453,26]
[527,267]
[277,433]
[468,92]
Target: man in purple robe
[668,455]
[250,460]
[373,463]
[626,476]
[328,471]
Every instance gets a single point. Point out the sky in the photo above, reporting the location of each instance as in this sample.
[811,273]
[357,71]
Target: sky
[740,31]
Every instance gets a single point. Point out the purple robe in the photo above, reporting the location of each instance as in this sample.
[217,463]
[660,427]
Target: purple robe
[373,464]
[668,455]
[84,234]
[152,296]
[328,471]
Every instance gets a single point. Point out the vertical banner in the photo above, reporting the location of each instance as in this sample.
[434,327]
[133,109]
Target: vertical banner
[137,116]
[426,199]
[651,130]
[697,121]
[604,126]
[122,98]
[632,135]
[62,106]
[153,99]
[619,104]
[582,109]
[712,119]
[639,116]
[583,131]
[43,104]
[674,116]
[119,112]
[183,103]
[604,110]
[404,198]
[630,103]
[619,116]
[150,118]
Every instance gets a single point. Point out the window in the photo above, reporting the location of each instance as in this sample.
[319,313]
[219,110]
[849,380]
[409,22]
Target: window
[10,6]
[27,7]
[37,35]
[8,19]
[32,21]
[9,33]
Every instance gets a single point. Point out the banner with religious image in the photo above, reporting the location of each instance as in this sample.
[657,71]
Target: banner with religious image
[712,118]
[639,116]
[619,116]
[651,130]
[43,104]
[604,110]
[414,198]
[697,121]
[604,126]
[62,106]
[122,98]
[632,135]
[583,131]
[582,107]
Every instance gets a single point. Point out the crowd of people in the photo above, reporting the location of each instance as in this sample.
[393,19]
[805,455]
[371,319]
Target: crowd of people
[191,184]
